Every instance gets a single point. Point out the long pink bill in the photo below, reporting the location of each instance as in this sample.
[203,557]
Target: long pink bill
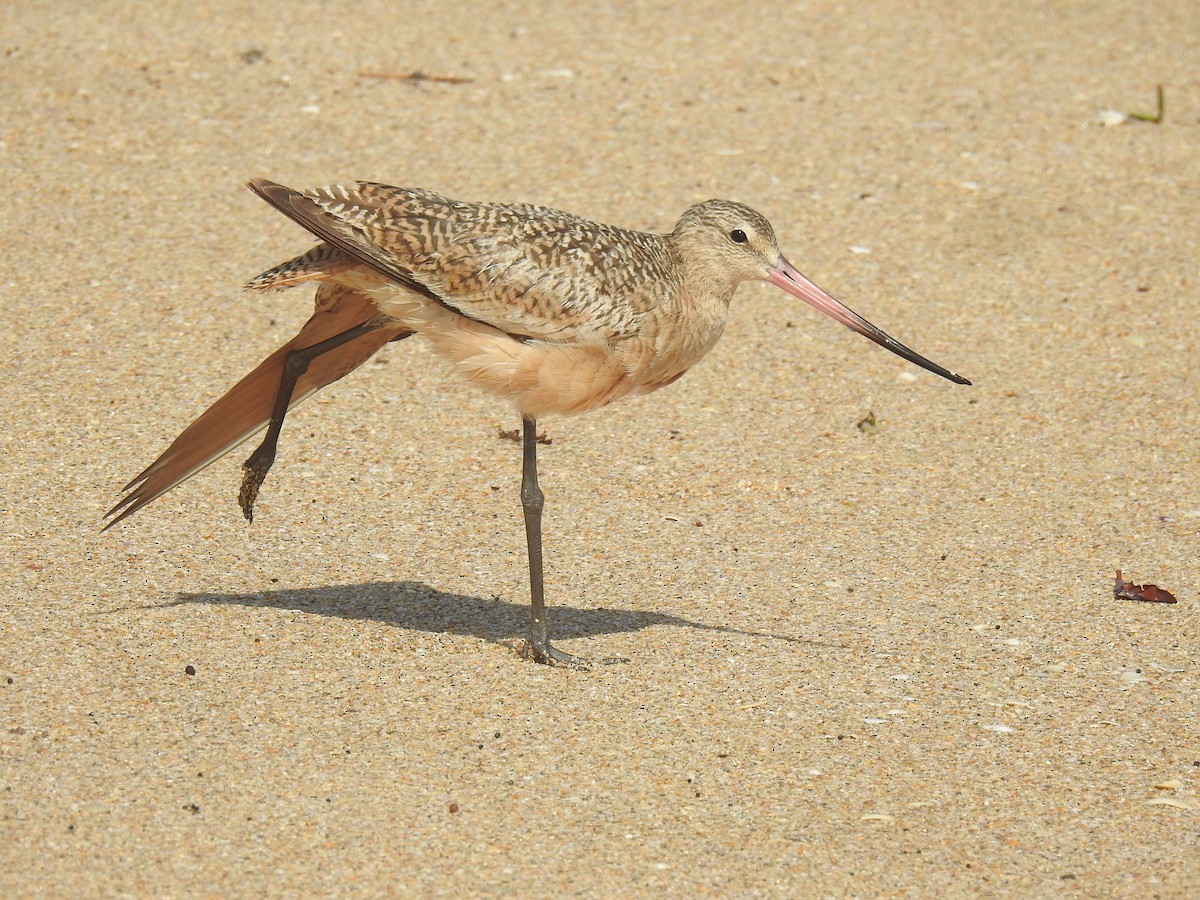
[788,277]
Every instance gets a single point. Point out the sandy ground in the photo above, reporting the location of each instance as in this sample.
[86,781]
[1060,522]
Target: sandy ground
[861,664]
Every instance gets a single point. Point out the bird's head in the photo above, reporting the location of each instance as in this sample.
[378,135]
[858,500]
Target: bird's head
[724,241]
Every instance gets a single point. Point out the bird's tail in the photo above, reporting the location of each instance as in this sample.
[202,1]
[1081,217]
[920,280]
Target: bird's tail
[247,407]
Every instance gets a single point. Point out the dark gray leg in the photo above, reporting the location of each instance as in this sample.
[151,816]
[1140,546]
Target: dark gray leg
[255,469]
[538,646]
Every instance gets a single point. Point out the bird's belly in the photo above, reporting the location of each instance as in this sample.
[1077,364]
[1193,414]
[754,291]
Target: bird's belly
[542,377]
[539,377]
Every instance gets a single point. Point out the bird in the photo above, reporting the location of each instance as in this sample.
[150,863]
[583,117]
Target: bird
[552,312]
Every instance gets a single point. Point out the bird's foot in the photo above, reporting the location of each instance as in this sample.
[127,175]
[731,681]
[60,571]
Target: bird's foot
[547,655]
[254,472]
[542,652]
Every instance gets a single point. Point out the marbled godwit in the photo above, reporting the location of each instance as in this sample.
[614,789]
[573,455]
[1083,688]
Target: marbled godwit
[555,313]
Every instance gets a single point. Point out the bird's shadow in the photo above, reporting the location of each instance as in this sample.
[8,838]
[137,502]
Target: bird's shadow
[416,606]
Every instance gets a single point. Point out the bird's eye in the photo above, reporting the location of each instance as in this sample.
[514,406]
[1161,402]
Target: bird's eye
[738,236]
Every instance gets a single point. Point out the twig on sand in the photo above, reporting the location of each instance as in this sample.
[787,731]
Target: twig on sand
[1155,117]
[416,77]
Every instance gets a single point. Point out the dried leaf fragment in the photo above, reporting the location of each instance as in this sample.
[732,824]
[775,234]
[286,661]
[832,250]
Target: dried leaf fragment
[868,423]
[1146,593]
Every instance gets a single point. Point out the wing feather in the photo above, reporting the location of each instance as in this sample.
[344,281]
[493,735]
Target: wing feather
[529,271]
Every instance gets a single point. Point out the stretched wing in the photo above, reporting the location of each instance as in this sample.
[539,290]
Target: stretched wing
[246,408]
[526,270]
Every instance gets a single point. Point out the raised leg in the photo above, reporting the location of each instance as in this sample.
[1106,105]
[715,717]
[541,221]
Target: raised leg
[537,647]
[255,469]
